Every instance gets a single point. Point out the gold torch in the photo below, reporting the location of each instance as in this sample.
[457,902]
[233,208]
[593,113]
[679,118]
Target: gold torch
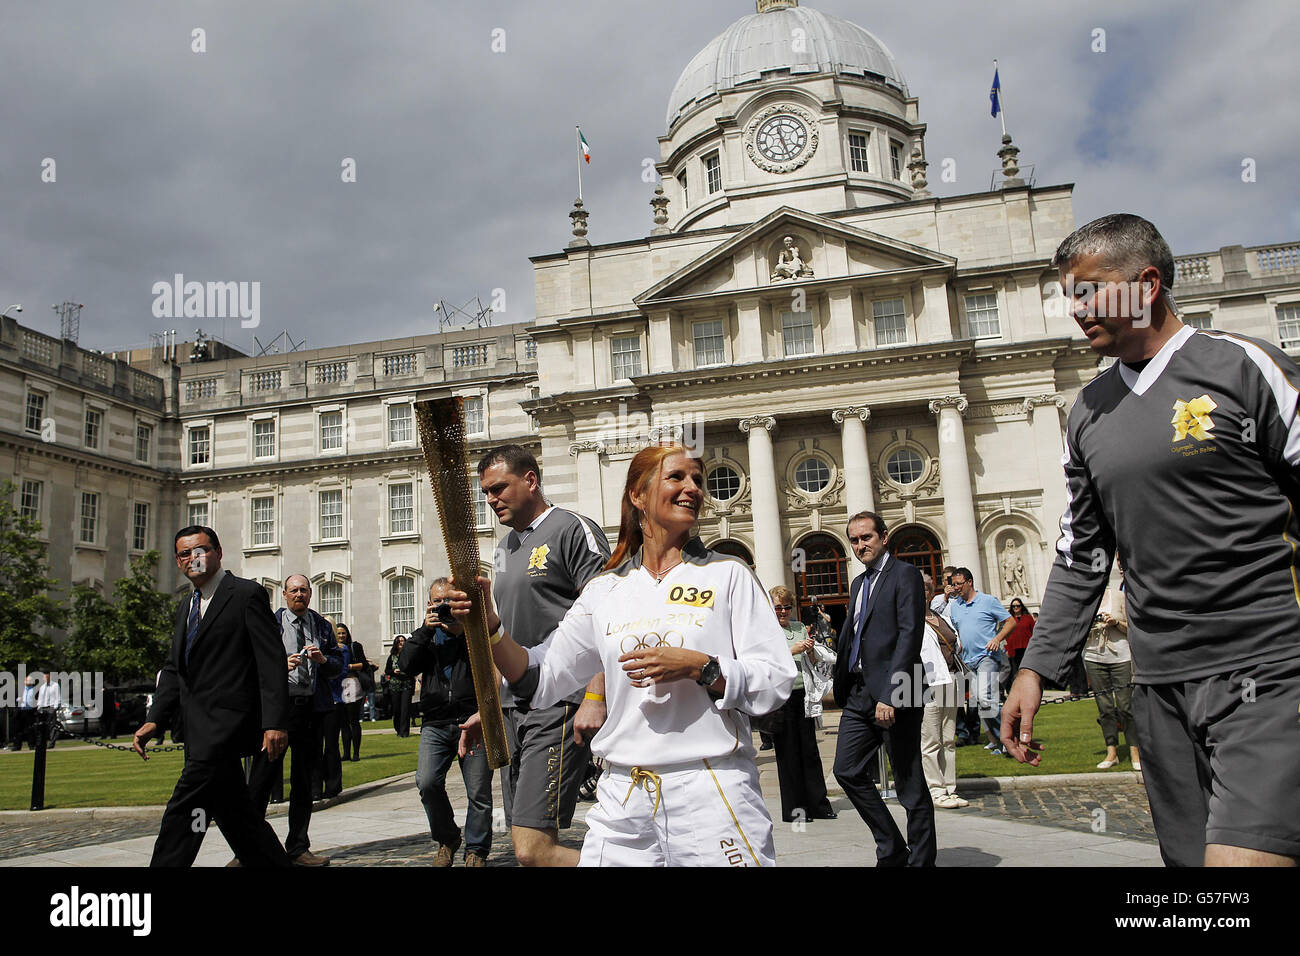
[441,425]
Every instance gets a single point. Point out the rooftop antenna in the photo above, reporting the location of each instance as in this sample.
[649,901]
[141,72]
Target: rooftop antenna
[69,320]
[274,347]
[450,316]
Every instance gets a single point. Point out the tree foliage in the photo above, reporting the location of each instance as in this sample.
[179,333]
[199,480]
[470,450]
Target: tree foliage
[28,606]
[127,637]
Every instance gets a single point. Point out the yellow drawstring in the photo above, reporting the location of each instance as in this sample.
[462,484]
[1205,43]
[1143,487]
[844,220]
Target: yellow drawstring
[649,781]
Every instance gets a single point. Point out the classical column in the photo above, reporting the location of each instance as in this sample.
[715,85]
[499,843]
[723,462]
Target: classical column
[958,501]
[589,493]
[769,559]
[1044,413]
[857,463]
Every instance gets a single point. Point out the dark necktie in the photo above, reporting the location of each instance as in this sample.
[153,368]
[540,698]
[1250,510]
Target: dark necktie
[864,598]
[192,625]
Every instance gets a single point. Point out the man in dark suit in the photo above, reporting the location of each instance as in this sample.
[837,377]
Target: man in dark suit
[313,658]
[878,664]
[226,676]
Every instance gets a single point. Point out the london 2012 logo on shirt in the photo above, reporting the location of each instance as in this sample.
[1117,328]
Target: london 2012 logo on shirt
[537,560]
[1192,419]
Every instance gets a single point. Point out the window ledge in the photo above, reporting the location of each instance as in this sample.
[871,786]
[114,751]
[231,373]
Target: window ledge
[399,538]
[331,543]
[262,549]
[86,546]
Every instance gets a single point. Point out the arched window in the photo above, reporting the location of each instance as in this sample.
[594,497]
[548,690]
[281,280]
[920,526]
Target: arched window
[401,603]
[735,549]
[919,548]
[825,577]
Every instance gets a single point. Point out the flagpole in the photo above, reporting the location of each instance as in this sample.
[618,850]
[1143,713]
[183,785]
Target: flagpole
[578,133]
[1001,107]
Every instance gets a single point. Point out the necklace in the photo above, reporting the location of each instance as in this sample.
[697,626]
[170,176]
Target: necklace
[659,577]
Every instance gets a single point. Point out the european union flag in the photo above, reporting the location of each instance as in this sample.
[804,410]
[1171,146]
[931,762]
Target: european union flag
[995,95]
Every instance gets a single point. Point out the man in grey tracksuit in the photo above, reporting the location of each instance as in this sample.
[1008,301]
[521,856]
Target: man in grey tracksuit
[1182,457]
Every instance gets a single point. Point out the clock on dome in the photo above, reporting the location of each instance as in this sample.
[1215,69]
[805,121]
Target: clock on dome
[781,138]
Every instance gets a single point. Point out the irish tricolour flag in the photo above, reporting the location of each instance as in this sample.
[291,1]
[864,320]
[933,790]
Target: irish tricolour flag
[582,144]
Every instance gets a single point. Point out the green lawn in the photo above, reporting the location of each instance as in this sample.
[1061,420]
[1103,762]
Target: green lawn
[111,778]
[1072,739]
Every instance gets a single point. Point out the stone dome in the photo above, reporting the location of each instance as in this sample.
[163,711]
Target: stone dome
[763,41]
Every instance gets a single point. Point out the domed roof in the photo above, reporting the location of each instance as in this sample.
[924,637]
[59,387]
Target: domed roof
[765,41]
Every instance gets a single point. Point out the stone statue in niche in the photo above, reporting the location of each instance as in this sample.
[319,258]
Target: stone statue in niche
[790,264]
[1012,565]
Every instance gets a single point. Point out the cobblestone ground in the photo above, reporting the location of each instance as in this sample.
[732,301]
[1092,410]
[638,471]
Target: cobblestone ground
[24,839]
[1124,808]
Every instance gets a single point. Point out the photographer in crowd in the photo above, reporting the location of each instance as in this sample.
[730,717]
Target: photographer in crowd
[438,651]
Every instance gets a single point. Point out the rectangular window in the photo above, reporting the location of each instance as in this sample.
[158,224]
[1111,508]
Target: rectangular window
[29,499]
[263,522]
[330,600]
[401,599]
[143,442]
[401,423]
[89,516]
[198,514]
[896,158]
[625,353]
[891,326]
[140,526]
[401,508]
[482,513]
[859,152]
[200,445]
[474,424]
[94,424]
[681,181]
[1288,325]
[1201,320]
[713,173]
[35,412]
[709,348]
[331,431]
[530,350]
[982,314]
[264,438]
[797,333]
[331,514]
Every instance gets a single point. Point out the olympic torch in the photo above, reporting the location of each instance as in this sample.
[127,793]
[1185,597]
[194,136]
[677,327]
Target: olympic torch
[441,425]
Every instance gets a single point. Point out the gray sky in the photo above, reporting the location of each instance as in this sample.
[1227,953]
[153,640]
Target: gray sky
[225,165]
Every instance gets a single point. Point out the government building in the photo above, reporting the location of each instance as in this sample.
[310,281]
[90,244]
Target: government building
[827,334]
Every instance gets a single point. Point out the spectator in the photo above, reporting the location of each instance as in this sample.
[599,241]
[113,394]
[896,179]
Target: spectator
[939,603]
[400,686]
[983,625]
[48,700]
[358,668]
[941,658]
[439,653]
[798,764]
[26,716]
[1018,640]
[1110,669]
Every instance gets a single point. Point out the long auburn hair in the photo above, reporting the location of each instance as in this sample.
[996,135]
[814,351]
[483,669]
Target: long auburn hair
[641,474]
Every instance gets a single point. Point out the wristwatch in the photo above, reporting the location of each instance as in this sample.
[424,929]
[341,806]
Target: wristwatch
[710,672]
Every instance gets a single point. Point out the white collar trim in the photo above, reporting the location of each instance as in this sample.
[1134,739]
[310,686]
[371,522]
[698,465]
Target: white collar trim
[1139,382]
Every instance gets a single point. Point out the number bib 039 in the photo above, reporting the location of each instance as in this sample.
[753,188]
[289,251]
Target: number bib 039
[691,597]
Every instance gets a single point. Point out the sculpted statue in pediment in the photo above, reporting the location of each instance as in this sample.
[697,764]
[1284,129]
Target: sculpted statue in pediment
[790,264]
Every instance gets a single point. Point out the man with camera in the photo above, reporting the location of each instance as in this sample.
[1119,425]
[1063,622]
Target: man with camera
[438,651]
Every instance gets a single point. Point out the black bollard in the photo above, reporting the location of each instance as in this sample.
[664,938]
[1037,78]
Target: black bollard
[38,768]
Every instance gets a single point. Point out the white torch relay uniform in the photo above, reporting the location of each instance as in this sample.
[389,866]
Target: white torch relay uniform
[680,786]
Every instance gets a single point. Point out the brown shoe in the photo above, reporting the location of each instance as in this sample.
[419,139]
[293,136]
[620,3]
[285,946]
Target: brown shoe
[234,861]
[475,859]
[307,858]
[446,853]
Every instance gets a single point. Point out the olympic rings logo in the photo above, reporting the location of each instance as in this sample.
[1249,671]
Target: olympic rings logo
[651,639]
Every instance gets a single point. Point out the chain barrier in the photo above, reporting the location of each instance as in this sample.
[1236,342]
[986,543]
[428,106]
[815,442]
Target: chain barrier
[1091,695]
[100,742]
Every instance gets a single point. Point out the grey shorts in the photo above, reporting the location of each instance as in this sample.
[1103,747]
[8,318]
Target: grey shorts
[546,767]
[1221,760]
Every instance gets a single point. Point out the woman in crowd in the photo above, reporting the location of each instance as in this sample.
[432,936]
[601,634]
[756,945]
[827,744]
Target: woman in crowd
[690,647]
[400,687]
[798,764]
[355,665]
[941,658]
[1018,639]
[1109,663]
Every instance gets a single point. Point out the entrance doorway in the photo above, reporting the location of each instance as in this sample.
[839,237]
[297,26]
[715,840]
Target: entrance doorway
[825,577]
[919,548]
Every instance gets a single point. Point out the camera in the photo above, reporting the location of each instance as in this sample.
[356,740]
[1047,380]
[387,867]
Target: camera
[443,612]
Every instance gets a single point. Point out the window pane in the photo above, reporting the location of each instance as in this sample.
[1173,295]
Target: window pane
[812,475]
[140,526]
[709,348]
[1288,325]
[143,442]
[905,466]
[35,411]
[264,439]
[474,416]
[482,513]
[331,600]
[891,325]
[982,313]
[713,172]
[331,431]
[1199,321]
[626,353]
[331,514]
[29,499]
[401,598]
[93,420]
[200,445]
[723,483]
[401,508]
[797,333]
[400,423]
[89,516]
[198,514]
[263,521]
[681,181]
[896,159]
[858,152]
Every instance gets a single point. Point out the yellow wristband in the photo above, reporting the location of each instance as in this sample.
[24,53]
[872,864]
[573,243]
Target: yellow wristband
[495,639]
[597,697]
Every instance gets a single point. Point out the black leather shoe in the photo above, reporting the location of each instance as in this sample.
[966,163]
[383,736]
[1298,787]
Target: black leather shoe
[825,815]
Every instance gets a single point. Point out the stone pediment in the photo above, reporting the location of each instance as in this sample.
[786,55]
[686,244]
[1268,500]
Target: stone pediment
[759,258]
